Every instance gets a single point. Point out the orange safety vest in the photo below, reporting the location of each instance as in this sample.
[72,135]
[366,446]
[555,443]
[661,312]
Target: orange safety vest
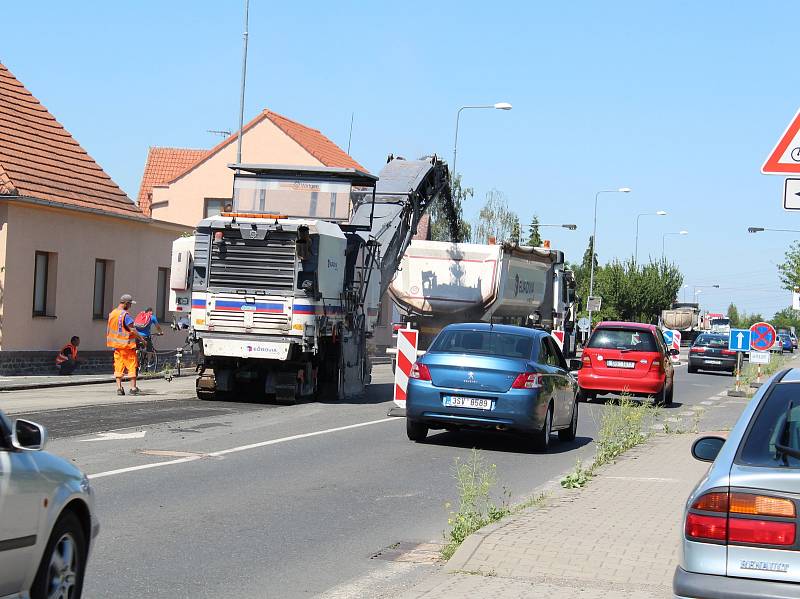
[61,358]
[116,335]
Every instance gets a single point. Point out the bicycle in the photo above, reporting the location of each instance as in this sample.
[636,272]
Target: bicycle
[147,360]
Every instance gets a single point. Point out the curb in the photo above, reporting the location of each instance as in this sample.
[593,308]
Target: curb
[28,386]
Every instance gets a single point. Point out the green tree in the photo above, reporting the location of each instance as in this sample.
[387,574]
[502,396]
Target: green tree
[441,213]
[786,318]
[534,238]
[495,219]
[637,292]
[515,232]
[733,315]
[789,270]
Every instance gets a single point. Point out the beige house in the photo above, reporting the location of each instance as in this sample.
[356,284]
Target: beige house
[185,185]
[71,241]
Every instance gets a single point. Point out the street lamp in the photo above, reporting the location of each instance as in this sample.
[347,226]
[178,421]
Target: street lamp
[701,287]
[759,229]
[497,106]
[594,240]
[636,245]
[664,236]
[570,227]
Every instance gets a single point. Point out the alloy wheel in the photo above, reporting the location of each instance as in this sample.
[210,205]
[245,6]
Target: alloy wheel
[63,569]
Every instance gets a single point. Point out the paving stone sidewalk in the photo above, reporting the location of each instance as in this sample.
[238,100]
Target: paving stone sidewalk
[616,538]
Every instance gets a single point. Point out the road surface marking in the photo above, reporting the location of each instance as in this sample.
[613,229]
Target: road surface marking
[240,448]
[115,436]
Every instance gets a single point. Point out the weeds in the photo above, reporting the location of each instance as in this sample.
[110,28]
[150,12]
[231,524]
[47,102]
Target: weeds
[476,480]
[577,478]
[623,426]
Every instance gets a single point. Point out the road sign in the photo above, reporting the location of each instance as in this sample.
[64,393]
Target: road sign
[785,157]
[668,336]
[559,338]
[791,194]
[583,324]
[739,340]
[762,336]
[593,303]
[759,357]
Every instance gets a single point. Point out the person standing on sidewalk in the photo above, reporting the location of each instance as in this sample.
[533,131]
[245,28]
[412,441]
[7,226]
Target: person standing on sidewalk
[121,335]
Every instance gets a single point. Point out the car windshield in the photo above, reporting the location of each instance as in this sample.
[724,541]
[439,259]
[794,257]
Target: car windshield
[623,339]
[711,341]
[720,322]
[492,343]
[774,437]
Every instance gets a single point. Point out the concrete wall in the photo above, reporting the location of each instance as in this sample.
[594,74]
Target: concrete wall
[138,249]
[183,201]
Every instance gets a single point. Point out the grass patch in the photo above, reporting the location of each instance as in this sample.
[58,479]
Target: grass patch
[476,480]
[624,425]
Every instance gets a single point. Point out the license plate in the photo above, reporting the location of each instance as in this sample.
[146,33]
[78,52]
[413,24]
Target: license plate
[713,362]
[620,364]
[476,403]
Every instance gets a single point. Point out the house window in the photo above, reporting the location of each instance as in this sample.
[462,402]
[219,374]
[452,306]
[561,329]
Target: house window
[103,280]
[44,283]
[215,206]
[162,294]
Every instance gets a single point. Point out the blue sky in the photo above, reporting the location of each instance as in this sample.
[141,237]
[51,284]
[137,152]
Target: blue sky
[680,101]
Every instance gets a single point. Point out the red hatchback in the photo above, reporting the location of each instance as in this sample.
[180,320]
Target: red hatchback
[627,357]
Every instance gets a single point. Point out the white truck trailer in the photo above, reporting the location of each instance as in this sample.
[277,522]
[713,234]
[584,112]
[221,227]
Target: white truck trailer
[439,283]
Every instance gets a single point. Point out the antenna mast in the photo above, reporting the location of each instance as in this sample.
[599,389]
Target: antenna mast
[244,78]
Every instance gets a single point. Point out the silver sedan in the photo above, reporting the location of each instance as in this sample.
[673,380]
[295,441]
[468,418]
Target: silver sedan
[47,520]
[741,536]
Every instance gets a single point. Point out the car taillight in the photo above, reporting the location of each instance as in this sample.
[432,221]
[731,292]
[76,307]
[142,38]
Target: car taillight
[760,532]
[657,365]
[587,361]
[713,528]
[733,526]
[420,372]
[697,350]
[527,380]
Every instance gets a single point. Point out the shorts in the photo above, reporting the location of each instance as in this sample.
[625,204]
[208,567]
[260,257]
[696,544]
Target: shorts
[125,359]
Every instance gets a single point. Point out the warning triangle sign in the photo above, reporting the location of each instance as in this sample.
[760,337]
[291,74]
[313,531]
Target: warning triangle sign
[785,157]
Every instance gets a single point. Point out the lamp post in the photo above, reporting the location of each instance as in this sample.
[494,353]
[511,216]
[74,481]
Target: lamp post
[701,287]
[497,106]
[636,245]
[594,240]
[760,229]
[664,236]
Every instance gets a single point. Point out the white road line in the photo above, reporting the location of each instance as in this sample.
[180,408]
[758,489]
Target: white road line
[239,448]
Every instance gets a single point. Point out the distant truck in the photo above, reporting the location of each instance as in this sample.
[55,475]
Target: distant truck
[721,325]
[439,283]
[683,317]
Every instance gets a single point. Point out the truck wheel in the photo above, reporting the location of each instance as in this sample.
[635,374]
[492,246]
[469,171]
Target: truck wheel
[416,431]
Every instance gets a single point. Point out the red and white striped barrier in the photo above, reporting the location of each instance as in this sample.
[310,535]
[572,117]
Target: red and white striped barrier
[559,338]
[406,356]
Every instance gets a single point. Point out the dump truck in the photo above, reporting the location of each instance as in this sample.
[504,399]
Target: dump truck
[282,291]
[439,283]
[683,317]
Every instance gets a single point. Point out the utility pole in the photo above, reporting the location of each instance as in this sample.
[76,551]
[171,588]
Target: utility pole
[244,79]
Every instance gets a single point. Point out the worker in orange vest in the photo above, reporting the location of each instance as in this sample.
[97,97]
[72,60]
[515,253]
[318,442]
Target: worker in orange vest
[67,359]
[121,335]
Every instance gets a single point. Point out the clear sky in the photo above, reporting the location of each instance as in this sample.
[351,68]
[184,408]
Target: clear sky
[680,101]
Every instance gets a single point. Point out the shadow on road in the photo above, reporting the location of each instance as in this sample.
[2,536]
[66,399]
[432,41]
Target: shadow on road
[499,441]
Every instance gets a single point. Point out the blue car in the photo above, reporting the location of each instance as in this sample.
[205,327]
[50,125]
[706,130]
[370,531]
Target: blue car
[497,377]
[786,343]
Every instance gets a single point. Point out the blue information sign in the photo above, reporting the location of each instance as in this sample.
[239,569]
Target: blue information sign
[739,340]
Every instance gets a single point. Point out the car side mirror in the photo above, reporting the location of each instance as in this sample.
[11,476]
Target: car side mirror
[674,352]
[575,364]
[28,436]
[706,449]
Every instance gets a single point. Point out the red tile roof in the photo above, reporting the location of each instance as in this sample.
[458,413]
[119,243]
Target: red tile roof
[163,164]
[40,159]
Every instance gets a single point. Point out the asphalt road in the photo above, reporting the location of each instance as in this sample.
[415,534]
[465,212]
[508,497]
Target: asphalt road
[209,499]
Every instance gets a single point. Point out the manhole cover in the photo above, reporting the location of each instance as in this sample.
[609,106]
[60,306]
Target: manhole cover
[416,553]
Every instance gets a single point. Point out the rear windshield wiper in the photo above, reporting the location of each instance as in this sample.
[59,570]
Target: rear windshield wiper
[781,449]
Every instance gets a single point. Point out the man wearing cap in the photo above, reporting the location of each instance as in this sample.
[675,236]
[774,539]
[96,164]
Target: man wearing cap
[121,335]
